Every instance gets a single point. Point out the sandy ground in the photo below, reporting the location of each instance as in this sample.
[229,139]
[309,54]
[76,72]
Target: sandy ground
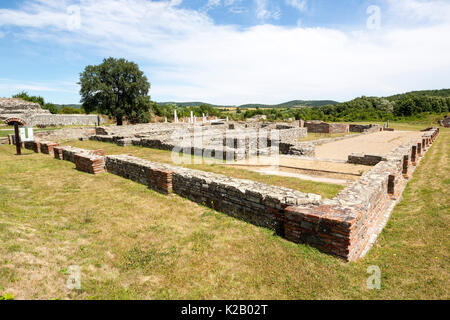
[305,177]
[335,170]
[379,143]
[300,163]
[304,169]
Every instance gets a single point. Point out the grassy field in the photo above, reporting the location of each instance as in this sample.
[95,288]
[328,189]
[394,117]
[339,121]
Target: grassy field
[133,243]
[326,190]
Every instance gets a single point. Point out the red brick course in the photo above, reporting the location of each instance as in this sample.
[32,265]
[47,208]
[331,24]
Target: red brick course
[47,147]
[89,163]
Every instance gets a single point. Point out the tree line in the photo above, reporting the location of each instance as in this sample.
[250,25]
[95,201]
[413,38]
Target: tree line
[53,108]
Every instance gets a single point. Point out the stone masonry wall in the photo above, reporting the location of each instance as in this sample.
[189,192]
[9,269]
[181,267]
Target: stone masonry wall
[250,201]
[324,127]
[365,128]
[346,225]
[349,224]
[45,120]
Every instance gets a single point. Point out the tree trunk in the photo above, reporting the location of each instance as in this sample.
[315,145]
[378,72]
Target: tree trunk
[119,121]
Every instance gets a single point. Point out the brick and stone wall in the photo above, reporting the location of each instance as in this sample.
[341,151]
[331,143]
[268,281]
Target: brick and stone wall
[346,225]
[89,163]
[46,120]
[251,201]
[47,147]
[324,127]
[364,128]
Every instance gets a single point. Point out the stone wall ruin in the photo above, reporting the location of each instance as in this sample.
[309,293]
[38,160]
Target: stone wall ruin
[345,226]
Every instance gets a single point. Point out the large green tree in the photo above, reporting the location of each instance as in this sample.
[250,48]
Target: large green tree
[116,88]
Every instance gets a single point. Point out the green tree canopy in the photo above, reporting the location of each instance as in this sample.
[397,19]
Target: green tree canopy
[116,88]
[37,99]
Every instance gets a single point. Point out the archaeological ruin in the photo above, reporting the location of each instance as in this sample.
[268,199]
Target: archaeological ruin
[32,115]
[346,225]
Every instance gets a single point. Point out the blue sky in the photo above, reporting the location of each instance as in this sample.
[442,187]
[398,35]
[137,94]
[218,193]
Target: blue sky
[229,51]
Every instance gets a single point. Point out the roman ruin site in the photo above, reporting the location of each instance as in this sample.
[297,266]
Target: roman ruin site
[374,164]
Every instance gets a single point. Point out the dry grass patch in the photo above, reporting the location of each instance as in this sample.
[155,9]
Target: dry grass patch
[139,244]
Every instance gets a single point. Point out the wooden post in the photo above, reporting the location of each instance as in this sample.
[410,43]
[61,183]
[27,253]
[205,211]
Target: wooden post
[17,136]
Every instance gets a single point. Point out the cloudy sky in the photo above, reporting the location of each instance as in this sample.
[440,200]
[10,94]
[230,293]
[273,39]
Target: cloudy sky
[229,51]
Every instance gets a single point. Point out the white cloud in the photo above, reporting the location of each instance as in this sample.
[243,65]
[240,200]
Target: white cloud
[233,6]
[15,86]
[300,5]
[213,3]
[175,3]
[434,11]
[264,13]
[188,57]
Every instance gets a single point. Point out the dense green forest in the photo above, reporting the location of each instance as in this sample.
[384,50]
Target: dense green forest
[431,93]
[409,105]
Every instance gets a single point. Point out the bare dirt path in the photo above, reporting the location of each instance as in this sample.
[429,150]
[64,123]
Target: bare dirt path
[379,143]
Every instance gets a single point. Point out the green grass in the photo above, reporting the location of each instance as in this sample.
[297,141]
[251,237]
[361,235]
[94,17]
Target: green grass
[410,125]
[139,244]
[326,190]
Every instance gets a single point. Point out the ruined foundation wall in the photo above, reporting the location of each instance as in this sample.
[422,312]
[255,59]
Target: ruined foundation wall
[349,224]
[346,225]
[250,201]
[46,120]
[324,127]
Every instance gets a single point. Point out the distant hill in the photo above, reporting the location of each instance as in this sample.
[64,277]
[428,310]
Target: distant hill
[289,104]
[292,104]
[444,93]
[75,106]
[191,104]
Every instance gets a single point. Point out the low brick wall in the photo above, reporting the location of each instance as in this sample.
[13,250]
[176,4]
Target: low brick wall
[152,174]
[68,153]
[36,146]
[348,225]
[89,163]
[47,147]
[324,127]
[250,201]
